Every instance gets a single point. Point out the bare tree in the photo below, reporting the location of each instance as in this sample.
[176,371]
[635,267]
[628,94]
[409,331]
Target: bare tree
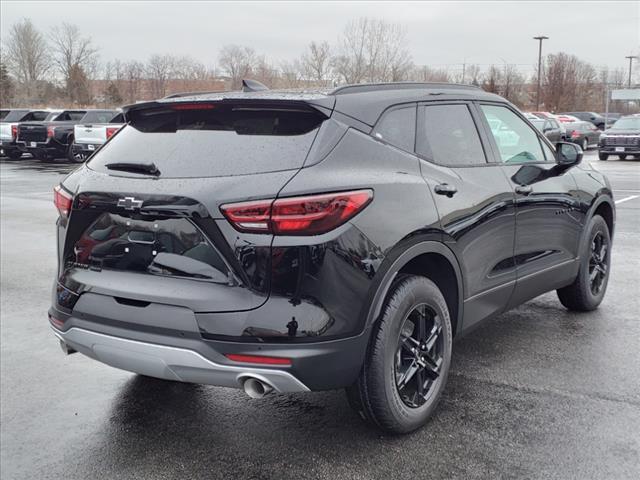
[7,87]
[133,73]
[291,74]
[159,70]
[426,74]
[73,53]
[238,62]
[372,50]
[26,55]
[315,63]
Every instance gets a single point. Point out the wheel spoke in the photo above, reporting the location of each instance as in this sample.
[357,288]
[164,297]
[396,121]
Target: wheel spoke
[407,375]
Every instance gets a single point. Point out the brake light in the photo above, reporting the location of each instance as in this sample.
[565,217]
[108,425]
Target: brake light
[62,200]
[111,131]
[51,131]
[258,359]
[193,106]
[14,132]
[575,135]
[307,215]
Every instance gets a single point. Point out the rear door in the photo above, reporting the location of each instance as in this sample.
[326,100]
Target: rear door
[474,202]
[547,206]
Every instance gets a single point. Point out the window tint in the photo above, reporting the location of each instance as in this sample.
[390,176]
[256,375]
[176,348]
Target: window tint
[517,142]
[548,153]
[15,115]
[449,136]
[398,128]
[217,141]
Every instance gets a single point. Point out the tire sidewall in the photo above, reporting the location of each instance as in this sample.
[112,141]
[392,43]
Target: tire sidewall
[419,290]
[596,225]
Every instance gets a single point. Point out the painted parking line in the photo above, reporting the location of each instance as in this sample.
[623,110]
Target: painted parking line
[622,200]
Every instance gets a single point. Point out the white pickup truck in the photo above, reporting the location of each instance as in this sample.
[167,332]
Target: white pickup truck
[89,136]
[9,120]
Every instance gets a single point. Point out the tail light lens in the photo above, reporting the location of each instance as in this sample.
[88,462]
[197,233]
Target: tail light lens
[62,200]
[14,132]
[575,135]
[51,131]
[307,215]
[111,131]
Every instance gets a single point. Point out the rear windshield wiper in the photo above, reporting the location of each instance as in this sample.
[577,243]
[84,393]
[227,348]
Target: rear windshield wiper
[145,168]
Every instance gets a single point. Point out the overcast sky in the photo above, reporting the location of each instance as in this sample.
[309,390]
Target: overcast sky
[439,34]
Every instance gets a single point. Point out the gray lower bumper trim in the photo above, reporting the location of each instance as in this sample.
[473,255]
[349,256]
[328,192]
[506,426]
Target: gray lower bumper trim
[171,363]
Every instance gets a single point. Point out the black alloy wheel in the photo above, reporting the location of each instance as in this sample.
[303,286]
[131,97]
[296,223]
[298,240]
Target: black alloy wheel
[419,356]
[598,262]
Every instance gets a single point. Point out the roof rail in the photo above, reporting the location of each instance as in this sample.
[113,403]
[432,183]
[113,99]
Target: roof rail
[373,87]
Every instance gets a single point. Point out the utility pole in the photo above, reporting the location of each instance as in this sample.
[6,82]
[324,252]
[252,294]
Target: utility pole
[540,39]
[631,59]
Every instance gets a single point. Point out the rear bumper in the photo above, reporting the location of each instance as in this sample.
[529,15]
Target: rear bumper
[50,146]
[85,148]
[171,363]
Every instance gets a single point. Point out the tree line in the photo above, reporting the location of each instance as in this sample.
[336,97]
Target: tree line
[62,67]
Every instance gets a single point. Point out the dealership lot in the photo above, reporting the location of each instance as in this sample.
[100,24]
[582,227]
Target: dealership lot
[538,392]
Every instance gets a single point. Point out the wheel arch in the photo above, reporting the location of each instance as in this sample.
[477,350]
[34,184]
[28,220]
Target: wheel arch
[431,259]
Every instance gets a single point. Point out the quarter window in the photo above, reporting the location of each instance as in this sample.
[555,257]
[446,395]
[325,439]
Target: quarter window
[517,142]
[398,127]
[449,136]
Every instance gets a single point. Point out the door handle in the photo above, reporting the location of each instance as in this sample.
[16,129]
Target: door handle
[445,189]
[524,189]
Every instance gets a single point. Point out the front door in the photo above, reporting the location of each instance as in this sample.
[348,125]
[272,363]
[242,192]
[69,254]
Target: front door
[548,220]
[475,204]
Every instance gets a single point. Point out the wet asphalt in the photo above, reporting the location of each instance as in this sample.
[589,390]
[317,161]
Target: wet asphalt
[538,392]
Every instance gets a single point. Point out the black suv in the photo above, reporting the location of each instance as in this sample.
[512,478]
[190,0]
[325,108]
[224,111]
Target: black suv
[288,242]
[621,139]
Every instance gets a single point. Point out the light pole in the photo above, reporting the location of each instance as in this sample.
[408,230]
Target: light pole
[540,39]
[631,59]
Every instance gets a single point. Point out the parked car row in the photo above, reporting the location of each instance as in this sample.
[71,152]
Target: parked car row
[46,134]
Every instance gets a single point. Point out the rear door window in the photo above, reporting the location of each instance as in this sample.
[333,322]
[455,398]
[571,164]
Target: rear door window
[398,127]
[448,136]
[213,140]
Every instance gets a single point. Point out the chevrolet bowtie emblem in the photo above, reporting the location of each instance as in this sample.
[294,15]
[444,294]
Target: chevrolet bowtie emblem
[129,203]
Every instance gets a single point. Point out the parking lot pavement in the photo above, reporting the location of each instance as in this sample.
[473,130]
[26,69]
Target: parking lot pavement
[539,392]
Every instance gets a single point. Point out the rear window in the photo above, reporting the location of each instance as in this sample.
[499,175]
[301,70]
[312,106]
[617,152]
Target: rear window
[98,117]
[70,116]
[213,140]
[15,115]
[3,114]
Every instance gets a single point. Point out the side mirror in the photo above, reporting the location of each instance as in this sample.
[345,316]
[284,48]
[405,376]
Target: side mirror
[568,154]
[547,129]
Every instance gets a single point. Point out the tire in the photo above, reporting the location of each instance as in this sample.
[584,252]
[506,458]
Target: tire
[585,145]
[376,395]
[75,157]
[595,269]
[622,157]
[14,154]
[603,156]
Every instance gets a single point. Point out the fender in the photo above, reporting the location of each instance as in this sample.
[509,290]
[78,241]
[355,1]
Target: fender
[417,247]
[604,196]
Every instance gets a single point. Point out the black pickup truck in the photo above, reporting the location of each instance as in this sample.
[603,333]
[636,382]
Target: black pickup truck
[45,140]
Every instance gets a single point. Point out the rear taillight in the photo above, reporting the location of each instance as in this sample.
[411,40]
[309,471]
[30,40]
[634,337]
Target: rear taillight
[307,215]
[62,200]
[51,131]
[575,135]
[111,131]
[14,132]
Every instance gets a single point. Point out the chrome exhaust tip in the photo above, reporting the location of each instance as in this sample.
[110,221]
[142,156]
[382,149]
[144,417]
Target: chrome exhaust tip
[256,388]
[66,348]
